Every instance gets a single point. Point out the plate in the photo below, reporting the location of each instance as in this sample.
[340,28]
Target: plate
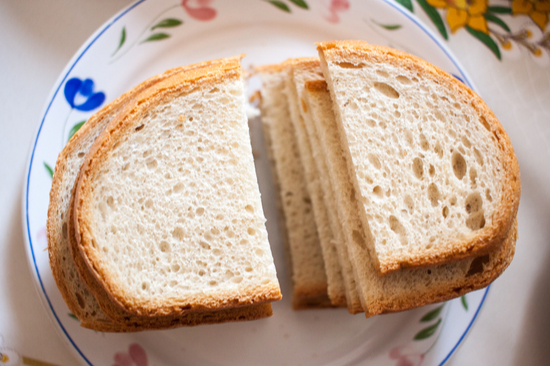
[151,36]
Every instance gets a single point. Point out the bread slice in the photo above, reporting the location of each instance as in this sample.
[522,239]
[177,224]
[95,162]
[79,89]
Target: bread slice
[298,72]
[75,293]
[306,260]
[167,210]
[434,171]
[407,288]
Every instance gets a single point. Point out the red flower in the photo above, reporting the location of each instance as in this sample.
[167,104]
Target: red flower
[200,10]
[136,356]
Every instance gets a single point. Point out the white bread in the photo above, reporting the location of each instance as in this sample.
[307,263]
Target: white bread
[298,72]
[167,210]
[309,281]
[433,170]
[75,293]
[407,288]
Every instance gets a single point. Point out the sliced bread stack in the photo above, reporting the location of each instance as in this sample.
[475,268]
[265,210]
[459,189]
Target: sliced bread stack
[155,219]
[417,178]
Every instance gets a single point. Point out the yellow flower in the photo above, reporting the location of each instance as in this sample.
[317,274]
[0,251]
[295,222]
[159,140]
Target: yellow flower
[537,9]
[464,12]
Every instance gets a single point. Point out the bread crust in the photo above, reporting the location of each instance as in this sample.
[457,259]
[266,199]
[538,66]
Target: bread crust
[163,92]
[480,242]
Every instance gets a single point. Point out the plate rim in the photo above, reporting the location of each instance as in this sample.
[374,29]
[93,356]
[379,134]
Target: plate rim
[33,266]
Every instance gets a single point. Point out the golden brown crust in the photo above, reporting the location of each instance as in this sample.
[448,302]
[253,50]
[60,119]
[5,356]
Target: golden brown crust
[497,262]
[251,312]
[163,92]
[488,239]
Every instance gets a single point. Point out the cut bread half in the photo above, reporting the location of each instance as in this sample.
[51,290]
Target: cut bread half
[434,172]
[309,281]
[167,212]
[75,293]
[298,72]
[407,288]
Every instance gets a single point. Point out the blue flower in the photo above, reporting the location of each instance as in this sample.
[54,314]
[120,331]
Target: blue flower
[86,89]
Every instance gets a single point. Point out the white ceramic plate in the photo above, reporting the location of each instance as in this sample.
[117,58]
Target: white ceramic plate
[154,35]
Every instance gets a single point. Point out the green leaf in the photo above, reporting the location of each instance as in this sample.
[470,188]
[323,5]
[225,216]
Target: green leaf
[75,129]
[407,3]
[488,41]
[280,5]
[387,26]
[167,23]
[432,314]
[427,332]
[496,20]
[301,3]
[434,16]
[122,40]
[156,37]
[464,302]
[49,169]
[499,10]
[73,316]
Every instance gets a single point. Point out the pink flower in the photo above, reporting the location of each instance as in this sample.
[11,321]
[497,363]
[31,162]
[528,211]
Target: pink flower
[335,7]
[410,359]
[200,10]
[136,356]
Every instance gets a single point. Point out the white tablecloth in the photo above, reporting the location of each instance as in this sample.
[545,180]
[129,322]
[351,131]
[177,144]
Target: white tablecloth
[39,37]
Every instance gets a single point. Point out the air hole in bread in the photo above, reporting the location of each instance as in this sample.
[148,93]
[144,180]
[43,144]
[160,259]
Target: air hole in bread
[459,165]
[477,265]
[373,159]
[382,73]
[433,194]
[149,203]
[476,221]
[409,138]
[164,246]
[409,204]
[348,65]
[378,191]
[485,123]
[440,116]
[431,170]
[386,90]
[473,202]
[152,163]
[178,187]
[200,211]
[403,79]
[175,267]
[438,150]
[251,231]
[144,286]
[249,208]
[139,128]
[259,252]
[445,211]
[81,154]
[396,226]
[466,142]
[418,168]
[479,157]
